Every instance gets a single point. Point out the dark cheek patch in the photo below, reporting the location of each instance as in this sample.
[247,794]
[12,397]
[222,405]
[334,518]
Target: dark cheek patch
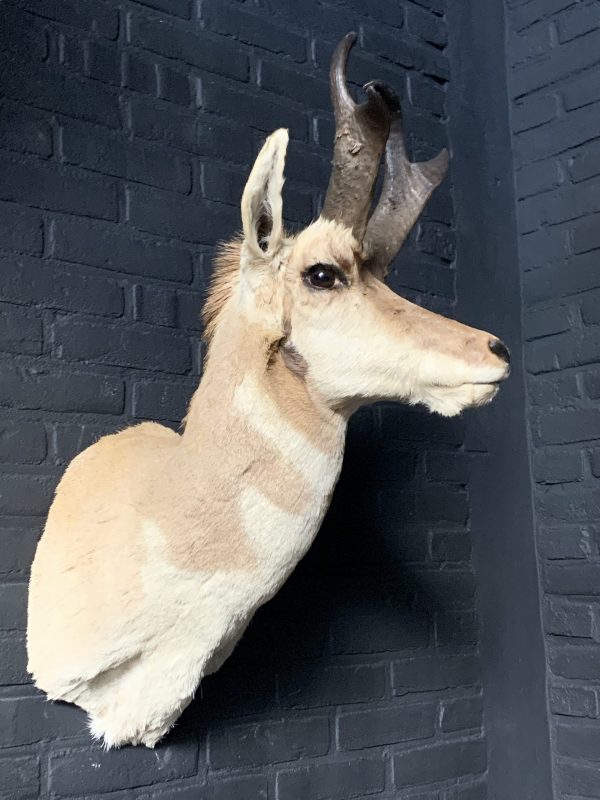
[293,360]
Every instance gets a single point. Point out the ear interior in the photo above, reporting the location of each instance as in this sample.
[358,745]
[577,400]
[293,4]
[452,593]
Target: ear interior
[262,209]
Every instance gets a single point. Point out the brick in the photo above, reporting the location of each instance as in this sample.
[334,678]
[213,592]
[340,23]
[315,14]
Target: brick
[25,130]
[388,46]
[582,91]
[582,663]
[103,63]
[474,791]
[546,322]
[116,248]
[246,787]
[20,332]
[533,112]
[541,247]
[48,186]
[557,427]
[22,442]
[178,8]
[202,134]
[13,664]
[585,165]
[71,439]
[591,382]
[160,400]
[558,352]
[432,673]
[576,22]
[557,467]
[160,37]
[573,702]
[426,26]
[52,285]
[26,494]
[578,779]
[448,467]
[374,727]
[565,618]
[573,579]
[460,715]
[121,346]
[13,600]
[20,775]
[94,150]
[268,743]
[426,94]
[93,770]
[61,392]
[565,541]
[575,129]
[450,546]
[534,42]
[254,29]
[590,308]
[84,14]
[173,86]
[457,629]
[334,685]
[439,762]
[155,305]
[575,505]
[387,630]
[586,235]
[62,93]
[533,179]
[451,506]
[437,240]
[140,74]
[18,546]
[559,62]
[308,90]
[175,128]
[20,229]
[256,108]
[341,780]
[197,222]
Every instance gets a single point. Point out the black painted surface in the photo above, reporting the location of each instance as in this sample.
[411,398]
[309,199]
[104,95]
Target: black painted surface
[552,53]
[126,132]
[502,519]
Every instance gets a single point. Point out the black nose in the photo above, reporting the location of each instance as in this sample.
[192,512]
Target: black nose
[499,349]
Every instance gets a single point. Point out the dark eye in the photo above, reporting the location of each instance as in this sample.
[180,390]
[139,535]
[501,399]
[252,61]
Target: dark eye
[322,276]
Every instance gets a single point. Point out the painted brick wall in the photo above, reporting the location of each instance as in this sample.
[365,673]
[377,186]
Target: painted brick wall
[126,132]
[555,112]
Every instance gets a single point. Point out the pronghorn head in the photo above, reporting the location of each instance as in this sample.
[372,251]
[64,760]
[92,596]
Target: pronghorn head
[319,297]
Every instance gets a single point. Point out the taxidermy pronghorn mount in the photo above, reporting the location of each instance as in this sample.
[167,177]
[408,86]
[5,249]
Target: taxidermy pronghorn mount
[160,547]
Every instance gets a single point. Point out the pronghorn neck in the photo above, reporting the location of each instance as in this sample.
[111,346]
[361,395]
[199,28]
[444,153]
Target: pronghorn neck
[274,452]
[247,370]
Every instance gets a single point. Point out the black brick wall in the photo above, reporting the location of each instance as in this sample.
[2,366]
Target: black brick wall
[126,132]
[554,83]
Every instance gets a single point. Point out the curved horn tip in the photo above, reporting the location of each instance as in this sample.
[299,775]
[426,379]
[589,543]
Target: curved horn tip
[386,93]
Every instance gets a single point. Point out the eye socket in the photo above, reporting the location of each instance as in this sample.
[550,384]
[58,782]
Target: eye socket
[322,276]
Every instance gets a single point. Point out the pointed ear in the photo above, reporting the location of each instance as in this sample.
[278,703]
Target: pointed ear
[262,214]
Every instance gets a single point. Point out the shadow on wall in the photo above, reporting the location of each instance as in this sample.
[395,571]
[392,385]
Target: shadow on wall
[383,587]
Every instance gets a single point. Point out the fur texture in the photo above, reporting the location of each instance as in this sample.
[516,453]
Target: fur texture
[160,547]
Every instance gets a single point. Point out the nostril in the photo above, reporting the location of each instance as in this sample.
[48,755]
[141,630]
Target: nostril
[499,349]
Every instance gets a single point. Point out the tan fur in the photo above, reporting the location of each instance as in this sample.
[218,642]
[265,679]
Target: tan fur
[159,547]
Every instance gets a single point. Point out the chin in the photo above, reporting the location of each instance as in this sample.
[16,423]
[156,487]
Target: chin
[450,401]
